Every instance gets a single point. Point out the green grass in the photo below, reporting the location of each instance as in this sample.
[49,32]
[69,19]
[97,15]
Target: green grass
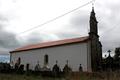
[25,77]
[75,76]
[95,76]
[18,77]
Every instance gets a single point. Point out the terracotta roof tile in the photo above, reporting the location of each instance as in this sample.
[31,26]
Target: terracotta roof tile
[52,43]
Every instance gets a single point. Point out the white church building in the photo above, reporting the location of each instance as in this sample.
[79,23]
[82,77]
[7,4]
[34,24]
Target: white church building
[86,51]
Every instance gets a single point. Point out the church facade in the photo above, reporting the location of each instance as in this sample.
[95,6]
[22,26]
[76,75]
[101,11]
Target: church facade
[85,51]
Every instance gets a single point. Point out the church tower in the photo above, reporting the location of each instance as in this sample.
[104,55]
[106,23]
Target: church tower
[95,44]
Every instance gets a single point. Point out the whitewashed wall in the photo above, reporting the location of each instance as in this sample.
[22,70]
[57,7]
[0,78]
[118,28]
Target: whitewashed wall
[77,53]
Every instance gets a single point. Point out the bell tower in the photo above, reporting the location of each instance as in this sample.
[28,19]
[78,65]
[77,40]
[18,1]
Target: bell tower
[93,23]
[95,44]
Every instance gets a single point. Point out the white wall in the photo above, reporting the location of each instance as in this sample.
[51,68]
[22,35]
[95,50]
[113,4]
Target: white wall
[76,54]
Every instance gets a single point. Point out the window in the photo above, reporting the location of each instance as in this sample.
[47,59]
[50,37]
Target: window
[19,61]
[27,66]
[46,59]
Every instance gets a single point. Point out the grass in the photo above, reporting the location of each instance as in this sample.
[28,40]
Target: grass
[25,77]
[18,77]
[94,76]
[73,76]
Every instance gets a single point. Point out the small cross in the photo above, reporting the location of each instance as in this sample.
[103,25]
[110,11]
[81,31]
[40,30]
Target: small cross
[109,51]
[93,1]
[92,5]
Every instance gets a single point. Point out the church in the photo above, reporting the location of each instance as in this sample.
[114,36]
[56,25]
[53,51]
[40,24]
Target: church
[85,51]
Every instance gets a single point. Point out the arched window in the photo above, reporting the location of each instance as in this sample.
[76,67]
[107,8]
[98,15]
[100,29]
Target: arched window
[46,59]
[27,66]
[19,61]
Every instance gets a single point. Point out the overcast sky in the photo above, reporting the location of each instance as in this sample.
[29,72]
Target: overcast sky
[17,16]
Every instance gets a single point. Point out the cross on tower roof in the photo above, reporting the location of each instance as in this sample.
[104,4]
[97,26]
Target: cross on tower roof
[109,51]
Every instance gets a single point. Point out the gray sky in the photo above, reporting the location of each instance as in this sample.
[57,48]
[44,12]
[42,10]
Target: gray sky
[17,16]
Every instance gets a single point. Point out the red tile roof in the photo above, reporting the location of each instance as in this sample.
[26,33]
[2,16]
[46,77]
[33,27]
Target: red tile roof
[52,43]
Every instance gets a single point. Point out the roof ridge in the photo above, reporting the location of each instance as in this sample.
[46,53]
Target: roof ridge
[51,43]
